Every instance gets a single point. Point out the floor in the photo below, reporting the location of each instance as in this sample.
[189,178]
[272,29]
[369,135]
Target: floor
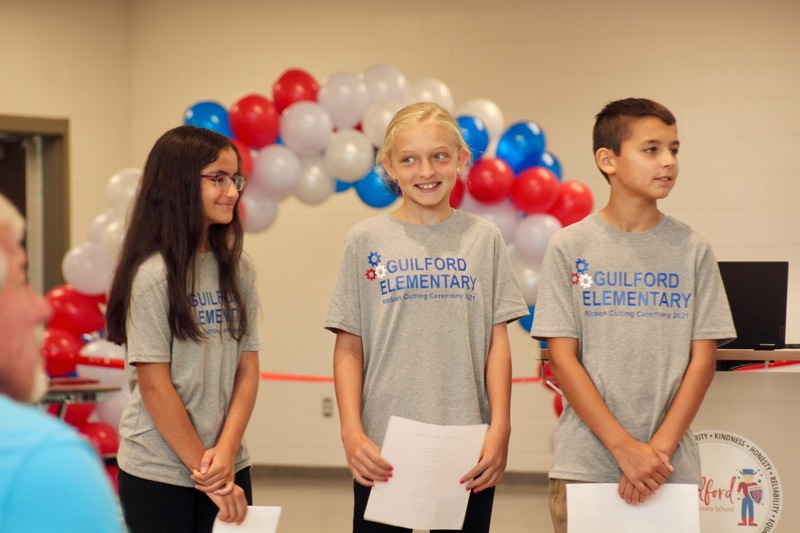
[320,500]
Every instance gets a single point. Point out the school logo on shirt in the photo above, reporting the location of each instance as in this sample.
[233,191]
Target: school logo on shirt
[420,278]
[740,487]
[211,315]
[631,294]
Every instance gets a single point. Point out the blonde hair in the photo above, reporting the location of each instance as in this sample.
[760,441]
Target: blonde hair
[413,115]
[12,221]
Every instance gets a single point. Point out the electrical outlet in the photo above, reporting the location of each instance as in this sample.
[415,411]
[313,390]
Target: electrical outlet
[327,407]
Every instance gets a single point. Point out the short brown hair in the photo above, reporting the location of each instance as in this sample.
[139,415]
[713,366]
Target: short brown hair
[612,124]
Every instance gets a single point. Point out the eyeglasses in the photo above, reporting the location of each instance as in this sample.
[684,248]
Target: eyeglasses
[223,181]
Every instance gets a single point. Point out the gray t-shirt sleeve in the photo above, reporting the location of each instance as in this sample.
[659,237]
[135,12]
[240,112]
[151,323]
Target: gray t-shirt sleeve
[251,341]
[554,315]
[148,332]
[344,311]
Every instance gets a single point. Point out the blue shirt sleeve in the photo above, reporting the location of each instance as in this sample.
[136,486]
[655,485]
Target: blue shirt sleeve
[60,485]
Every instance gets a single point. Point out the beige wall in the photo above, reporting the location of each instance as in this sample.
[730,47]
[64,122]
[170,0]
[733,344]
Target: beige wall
[72,60]
[124,72]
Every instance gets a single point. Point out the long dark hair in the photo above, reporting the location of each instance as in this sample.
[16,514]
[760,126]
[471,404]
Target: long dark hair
[167,218]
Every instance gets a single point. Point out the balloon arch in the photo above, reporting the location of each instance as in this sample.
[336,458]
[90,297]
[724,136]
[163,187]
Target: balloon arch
[310,141]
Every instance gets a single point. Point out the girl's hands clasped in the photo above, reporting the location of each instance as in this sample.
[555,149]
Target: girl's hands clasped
[216,474]
[232,506]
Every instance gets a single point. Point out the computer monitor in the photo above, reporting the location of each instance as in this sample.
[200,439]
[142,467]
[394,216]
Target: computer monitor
[757,293]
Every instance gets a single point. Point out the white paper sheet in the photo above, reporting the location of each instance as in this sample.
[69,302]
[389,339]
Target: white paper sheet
[261,519]
[429,461]
[593,507]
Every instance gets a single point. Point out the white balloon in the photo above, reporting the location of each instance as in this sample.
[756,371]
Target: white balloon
[95,230]
[276,171]
[258,211]
[430,90]
[527,274]
[468,203]
[345,97]
[112,238]
[316,183]
[103,374]
[103,348]
[87,268]
[306,127]
[109,410]
[350,155]
[491,148]
[533,235]
[488,112]
[503,215]
[385,81]
[122,188]
[377,118]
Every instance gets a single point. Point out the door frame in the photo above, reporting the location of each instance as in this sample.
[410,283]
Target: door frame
[55,213]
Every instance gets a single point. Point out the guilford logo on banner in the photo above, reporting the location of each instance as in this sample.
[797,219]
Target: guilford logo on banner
[741,490]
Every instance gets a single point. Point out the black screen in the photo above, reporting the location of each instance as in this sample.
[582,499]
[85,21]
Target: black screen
[757,296]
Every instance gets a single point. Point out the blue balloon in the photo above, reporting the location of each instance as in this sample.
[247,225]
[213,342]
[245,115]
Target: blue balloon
[342,186]
[475,135]
[373,191]
[527,321]
[210,115]
[521,145]
[550,161]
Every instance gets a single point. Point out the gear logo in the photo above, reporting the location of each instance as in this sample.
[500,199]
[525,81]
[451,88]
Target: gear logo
[376,269]
[582,276]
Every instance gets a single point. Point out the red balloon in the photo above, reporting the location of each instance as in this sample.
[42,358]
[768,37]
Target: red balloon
[294,85]
[535,190]
[78,413]
[102,436]
[113,475]
[548,375]
[75,414]
[457,194]
[254,120]
[574,203]
[490,180]
[558,404]
[101,298]
[246,156]
[60,348]
[73,311]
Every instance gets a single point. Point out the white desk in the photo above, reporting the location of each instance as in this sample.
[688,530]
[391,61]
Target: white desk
[64,391]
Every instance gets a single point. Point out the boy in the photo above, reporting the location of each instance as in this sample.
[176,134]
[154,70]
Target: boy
[632,307]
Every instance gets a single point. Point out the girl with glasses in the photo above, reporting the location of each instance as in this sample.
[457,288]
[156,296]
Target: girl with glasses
[184,304]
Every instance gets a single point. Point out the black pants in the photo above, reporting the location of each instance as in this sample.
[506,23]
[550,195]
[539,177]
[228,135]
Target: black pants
[150,506]
[477,520]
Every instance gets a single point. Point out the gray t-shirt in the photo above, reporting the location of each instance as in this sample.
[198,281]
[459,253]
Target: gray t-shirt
[202,372]
[424,299]
[635,302]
